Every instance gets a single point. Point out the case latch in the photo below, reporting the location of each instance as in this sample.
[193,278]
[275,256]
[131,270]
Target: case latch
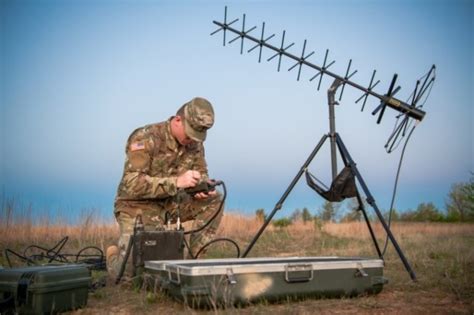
[170,275]
[230,276]
[22,290]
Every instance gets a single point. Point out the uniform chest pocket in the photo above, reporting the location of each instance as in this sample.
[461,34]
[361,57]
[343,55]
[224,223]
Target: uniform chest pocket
[185,163]
[165,165]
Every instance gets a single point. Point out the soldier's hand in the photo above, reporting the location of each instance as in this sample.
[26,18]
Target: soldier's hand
[188,179]
[201,195]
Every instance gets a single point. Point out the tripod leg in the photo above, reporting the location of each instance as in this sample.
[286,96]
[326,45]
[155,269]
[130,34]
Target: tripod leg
[125,259]
[371,201]
[362,208]
[279,204]
[372,235]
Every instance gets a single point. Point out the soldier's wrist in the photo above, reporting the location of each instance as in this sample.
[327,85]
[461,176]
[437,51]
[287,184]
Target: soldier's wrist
[173,187]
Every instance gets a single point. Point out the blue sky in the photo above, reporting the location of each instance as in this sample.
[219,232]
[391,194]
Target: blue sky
[78,76]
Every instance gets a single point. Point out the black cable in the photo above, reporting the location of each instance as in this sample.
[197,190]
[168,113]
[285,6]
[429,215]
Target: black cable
[96,261]
[222,239]
[51,254]
[39,256]
[60,244]
[188,248]
[7,251]
[214,216]
[395,188]
[403,153]
[79,253]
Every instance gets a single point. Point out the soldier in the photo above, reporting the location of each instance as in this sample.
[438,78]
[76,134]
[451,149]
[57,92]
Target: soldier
[163,159]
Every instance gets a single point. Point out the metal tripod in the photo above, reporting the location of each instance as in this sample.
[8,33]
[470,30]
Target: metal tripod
[337,144]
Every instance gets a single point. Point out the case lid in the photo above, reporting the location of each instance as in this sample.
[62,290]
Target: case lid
[45,278]
[264,264]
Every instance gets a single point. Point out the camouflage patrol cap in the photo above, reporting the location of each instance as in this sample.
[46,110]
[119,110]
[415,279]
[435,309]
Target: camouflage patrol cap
[198,117]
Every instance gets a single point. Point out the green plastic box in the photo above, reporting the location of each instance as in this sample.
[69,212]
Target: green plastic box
[44,289]
[225,282]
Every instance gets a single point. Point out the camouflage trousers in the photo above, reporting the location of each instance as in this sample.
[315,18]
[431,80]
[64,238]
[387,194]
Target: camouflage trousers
[154,216]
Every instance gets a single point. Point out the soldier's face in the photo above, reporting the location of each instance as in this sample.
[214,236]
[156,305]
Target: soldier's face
[177,128]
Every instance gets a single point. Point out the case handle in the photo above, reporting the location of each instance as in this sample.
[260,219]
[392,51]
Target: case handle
[360,272]
[293,273]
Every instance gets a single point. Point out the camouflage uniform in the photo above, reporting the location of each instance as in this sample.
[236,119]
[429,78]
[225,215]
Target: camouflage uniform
[154,161]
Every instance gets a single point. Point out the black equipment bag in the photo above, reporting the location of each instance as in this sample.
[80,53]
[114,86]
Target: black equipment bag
[157,245]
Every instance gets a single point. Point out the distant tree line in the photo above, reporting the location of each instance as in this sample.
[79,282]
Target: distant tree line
[459,208]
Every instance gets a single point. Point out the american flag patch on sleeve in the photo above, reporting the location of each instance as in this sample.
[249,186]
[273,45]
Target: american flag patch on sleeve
[135,146]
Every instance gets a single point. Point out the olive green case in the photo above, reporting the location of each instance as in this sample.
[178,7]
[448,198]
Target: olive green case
[227,282]
[43,289]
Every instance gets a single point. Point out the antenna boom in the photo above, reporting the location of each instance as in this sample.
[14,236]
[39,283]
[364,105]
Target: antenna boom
[389,101]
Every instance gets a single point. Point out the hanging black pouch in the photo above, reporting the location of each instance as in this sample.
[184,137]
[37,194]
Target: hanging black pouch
[341,188]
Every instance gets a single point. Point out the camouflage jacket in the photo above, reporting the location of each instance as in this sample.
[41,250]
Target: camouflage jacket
[154,161]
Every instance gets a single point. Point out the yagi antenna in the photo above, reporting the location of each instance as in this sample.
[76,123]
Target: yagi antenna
[410,109]
[344,183]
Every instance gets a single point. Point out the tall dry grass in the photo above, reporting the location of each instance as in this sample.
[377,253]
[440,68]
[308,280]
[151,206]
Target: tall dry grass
[359,230]
[18,229]
[239,226]
[442,254]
